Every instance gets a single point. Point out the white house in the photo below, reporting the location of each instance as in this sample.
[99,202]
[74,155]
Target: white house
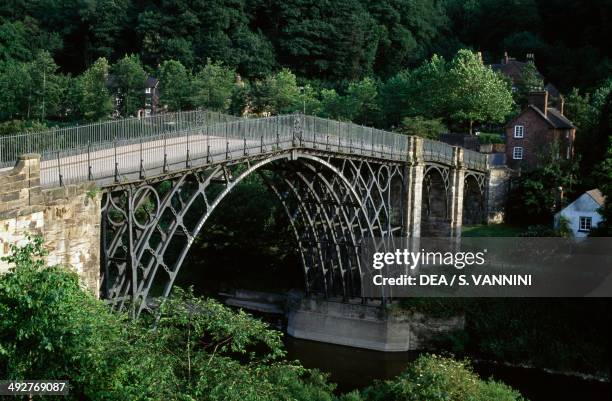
[582,213]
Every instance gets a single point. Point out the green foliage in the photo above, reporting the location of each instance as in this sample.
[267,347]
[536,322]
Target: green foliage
[535,194]
[462,91]
[32,90]
[422,127]
[603,174]
[213,86]
[13,127]
[491,230]
[174,85]
[487,137]
[436,378]
[546,333]
[93,99]
[277,94]
[332,39]
[129,85]
[477,94]
[530,80]
[52,329]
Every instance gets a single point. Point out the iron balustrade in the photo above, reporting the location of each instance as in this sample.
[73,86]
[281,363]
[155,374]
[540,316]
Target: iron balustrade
[474,160]
[47,143]
[131,149]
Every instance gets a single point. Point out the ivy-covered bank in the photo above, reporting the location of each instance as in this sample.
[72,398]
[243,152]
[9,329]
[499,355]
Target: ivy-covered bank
[52,329]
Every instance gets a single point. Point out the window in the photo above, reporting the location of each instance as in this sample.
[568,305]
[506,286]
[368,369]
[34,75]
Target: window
[517,153]
[518,131]
[585,223]
[148,90]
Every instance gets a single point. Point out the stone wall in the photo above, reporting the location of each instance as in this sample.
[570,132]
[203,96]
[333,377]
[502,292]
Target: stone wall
[68,217]
[498,186]
[365,326]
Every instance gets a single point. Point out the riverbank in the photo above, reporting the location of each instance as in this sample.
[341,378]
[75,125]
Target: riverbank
[350,368]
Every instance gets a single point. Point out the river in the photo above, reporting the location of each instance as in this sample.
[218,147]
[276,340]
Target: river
[353,368]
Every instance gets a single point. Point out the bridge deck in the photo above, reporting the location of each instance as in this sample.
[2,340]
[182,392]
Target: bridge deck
[126,150]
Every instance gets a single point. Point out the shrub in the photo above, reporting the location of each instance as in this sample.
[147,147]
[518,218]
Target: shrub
[436,378]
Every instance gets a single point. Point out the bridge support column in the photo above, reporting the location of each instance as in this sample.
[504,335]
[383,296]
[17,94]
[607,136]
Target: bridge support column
[496,192]
[68,218]
[411,226]
[456,183]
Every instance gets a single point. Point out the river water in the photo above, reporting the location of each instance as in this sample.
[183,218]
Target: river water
[353,368]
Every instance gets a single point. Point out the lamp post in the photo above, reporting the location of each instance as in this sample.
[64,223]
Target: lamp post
[303,92]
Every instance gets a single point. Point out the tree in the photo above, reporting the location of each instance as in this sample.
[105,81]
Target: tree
[603,174]
[591,113]
[476,93]
[408,30]
[174,85]
[362,102]
[52,329]
[213,86]
[95,101]
[422,127]
[277,94]
[129,84]
[14,90]
[46,87]
[535,194]
[530,81]
[423,92]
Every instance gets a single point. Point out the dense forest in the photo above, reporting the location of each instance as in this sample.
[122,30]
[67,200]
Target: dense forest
[365,61]
[330,40]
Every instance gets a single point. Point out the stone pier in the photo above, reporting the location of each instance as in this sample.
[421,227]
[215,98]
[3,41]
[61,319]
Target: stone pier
[365,326]
[68,217]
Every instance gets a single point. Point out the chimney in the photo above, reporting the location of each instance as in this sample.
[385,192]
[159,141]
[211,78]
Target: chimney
[480,56]
[561,104]
[539,99]
[505,59]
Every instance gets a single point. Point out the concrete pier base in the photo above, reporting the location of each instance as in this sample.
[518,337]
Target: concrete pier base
[365,326]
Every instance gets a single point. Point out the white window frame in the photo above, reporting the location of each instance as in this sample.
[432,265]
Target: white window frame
[519,131]
[517,153]
[585,223]
[147,90]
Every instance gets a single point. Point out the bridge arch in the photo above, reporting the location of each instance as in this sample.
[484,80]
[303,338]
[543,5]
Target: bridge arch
[435,220]
[473,199]
[328,212]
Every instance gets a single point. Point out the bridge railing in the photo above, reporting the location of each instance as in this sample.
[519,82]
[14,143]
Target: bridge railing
[104,134]
[474,160]
[131,158]
[436,151]
[352,138]
[133,149]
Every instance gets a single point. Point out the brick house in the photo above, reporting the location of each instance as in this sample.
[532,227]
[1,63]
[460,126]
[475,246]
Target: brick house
[513,69]
[151,105]
[535,129]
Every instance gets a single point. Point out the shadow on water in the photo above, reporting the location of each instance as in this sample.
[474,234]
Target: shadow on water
[247,245]
[353,368]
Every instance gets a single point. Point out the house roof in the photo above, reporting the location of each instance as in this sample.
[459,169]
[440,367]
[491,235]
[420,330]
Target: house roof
[152,82]
[553,117]
[597,196]
[552,90]
[512,68]
[558,119]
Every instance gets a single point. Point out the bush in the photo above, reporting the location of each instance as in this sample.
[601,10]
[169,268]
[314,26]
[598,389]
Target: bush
[436,378]
[426,128]
[52,329]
